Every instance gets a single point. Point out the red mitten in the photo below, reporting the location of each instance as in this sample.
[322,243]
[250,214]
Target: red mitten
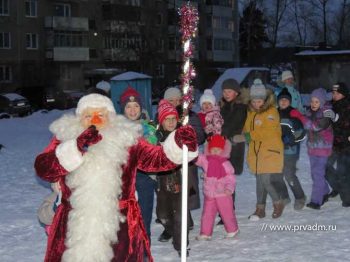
[296,114]
[89,137]
[185,135]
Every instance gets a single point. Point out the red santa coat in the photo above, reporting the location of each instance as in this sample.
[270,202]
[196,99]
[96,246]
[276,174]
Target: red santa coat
[59,162]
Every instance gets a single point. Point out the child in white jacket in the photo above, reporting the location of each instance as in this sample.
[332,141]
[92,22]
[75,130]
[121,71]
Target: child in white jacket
[219,185]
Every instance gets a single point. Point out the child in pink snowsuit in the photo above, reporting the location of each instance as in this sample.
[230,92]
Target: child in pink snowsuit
[219,185]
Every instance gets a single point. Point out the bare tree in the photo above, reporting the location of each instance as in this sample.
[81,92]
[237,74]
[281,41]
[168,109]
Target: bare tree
[303,16]
[322,7]
[343,17]
[276,18]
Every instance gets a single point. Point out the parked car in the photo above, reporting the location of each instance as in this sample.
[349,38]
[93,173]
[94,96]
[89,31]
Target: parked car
[56,99]
[4,115]
[244,75]
[14,104]
[73,97]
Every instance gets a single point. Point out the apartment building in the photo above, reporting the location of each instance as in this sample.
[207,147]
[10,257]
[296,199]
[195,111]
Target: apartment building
[72,44]
[47,45]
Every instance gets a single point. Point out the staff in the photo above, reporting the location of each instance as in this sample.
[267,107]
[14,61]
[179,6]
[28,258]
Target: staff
[188,27]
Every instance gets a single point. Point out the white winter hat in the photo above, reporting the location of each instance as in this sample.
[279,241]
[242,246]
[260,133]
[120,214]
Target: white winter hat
[172,92]
[207,96]
[94,101]
[286,74]
[258,90]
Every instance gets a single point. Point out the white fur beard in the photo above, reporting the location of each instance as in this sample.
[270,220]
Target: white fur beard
[94,220]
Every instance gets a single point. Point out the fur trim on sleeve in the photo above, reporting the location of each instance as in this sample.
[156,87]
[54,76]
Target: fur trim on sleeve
[174,152]
[69,155]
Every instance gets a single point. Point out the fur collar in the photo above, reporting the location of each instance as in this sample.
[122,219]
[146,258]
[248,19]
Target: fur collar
[94,220]
[269,102]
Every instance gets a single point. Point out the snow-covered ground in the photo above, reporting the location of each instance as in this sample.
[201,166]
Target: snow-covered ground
[23,239]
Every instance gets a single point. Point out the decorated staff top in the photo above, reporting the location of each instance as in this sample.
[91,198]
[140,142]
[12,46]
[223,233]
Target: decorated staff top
[188,28]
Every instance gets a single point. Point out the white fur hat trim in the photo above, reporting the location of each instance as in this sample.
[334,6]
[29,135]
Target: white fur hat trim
[94,101]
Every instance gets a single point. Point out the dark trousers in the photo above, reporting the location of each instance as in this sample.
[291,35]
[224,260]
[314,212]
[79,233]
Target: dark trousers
[289,174]
[268,184]
[237,157]
[145,187]
[338,174]
[169,213]
[237,160]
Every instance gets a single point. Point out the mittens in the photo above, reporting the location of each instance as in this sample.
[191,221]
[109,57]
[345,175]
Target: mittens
[185,135]
[329,113]
[89,137]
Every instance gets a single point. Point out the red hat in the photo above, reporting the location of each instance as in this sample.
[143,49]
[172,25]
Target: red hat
[130,95]
[216,141]
[165,108]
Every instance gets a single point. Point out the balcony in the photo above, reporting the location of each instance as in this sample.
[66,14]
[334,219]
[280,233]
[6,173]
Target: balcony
[119,54]
[67,23]
[68,54]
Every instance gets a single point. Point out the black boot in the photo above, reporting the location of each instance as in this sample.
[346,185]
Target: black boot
[220,223]
[344,204]
[187,253]
[333,194]
[165,236]
[313,205]
[325,199]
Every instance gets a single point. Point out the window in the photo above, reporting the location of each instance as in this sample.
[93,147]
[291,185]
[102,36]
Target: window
[4,7]
[5,74]
[92,24]
[220,2]
[5,40]
[93,53]
[221,22]
[209,44]
[31,41]
[159,19]
[160,45]
[171,41]
[209,21]
[31,8]
[123,42]
[70,39]
[62,10]
[65,72]
[223,44]
[160,70]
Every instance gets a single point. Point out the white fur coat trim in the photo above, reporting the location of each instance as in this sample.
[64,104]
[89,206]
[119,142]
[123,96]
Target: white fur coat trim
[174,152]
[69,155]
[96,184]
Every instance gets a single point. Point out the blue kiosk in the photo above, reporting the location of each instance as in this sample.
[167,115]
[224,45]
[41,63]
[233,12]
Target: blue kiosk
[138,81]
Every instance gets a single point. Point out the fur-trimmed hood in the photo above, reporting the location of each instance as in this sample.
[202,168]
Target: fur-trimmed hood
[242,98]
[269,101]
[225,153]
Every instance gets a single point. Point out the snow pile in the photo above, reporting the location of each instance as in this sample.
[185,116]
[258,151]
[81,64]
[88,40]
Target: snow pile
[23,239]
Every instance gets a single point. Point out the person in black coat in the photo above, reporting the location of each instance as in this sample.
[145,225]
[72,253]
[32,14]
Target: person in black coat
[339,177]
[234,113]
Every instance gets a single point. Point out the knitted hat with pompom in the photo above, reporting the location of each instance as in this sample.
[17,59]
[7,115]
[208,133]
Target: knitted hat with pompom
[258,90]
[165,108]
[207,96]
